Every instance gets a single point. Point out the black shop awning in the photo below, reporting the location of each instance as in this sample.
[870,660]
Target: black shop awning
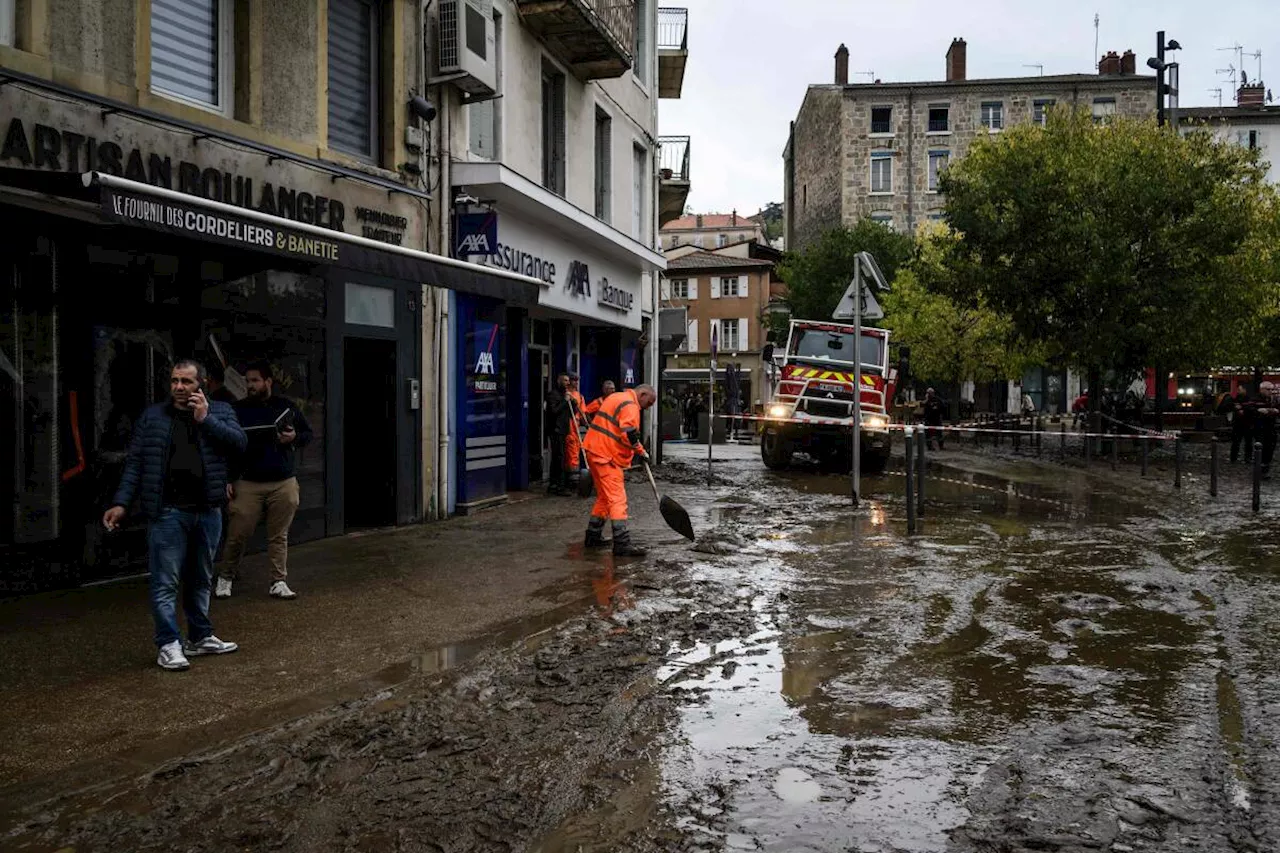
[158,209]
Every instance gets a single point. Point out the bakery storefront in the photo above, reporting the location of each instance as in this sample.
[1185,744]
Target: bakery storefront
[130,241]
[589,320]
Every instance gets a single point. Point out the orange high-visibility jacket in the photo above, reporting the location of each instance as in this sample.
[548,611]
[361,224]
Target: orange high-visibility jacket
[607,436]
[579,406]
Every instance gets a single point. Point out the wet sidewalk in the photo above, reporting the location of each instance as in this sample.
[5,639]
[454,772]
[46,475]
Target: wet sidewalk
[81,698]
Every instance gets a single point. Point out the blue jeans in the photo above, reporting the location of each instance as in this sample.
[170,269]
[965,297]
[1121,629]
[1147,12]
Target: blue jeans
[181,546]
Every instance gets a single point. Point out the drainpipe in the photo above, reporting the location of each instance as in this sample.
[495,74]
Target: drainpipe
[442,312]
[911,162]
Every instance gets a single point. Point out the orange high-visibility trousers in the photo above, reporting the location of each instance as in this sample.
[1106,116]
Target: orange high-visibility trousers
[573,449]
[611,489]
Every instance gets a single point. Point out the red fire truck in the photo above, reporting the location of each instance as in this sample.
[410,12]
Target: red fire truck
[809,406]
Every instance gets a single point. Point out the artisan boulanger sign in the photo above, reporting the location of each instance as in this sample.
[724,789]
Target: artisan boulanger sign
[241,232]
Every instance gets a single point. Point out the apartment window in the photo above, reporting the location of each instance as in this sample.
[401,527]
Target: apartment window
[640,59]
[1253,140]
[680,288]
[881,173]
[937,162]
[552,129]
[641,172]
[881,119]
[604,166]
[1040,110]
[730,335]
[730,287]
[1103,110]
[191,58]
[8,21]
[353,77]
[939,118]
[484,117]
[722,240]
[883,219]
[993,115]
[937,216]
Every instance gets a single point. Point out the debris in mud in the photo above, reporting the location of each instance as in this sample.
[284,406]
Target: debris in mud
[720,542]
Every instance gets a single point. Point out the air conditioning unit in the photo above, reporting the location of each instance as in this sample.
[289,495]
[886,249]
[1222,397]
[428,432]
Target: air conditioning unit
[465,45]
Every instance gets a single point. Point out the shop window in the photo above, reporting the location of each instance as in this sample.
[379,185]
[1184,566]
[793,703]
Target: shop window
[484,117]
[370,306]
[191,56]
[552,129]
[353,78]
[604,166]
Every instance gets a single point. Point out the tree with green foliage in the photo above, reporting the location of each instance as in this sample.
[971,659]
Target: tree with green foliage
[1119,245]
[818,275]
[954,336]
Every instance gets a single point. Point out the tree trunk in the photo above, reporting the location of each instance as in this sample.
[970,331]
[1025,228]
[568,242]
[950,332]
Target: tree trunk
[1095,389]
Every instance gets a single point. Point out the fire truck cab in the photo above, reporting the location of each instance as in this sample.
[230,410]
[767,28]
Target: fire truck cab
[810,402]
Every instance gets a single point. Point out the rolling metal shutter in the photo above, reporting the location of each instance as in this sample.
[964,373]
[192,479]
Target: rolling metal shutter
[352,77]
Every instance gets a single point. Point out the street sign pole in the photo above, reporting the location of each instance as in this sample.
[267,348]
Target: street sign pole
[711,399]
[857,378]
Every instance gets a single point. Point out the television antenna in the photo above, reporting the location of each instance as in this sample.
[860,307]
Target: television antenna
[1035,65]
[1238,49]
[1230,72]
[1097,61]
[1218,92]
[1257,54]
[870,75]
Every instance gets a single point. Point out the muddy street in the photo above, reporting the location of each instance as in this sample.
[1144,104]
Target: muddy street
[1060,660]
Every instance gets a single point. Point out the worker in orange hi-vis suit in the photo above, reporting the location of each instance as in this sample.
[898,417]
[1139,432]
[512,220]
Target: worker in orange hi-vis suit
[594,406]
[573,441]
[613,440]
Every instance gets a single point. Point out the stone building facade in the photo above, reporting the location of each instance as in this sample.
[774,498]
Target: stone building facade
[875,149]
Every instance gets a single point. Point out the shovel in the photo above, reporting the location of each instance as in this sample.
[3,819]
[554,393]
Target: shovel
[672,513]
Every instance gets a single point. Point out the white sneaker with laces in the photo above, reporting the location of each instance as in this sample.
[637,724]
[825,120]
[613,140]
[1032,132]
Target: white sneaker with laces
[210,645]
[172,658]
[280,589]
[223,590]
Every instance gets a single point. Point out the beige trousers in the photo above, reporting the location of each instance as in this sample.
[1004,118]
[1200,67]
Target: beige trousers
[279,501]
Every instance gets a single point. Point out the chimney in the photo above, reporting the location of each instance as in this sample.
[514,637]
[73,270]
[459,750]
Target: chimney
[734,216]
[1110,63]
[698,221]
[1128,63]
[1251,95]
[842,66]
[957,59]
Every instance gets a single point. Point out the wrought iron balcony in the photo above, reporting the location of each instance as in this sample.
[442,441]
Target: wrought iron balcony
[673,51]
[673,177]
[595,38]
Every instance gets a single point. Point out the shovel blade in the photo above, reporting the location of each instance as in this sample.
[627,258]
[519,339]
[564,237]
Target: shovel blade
[584,485]
[676,517]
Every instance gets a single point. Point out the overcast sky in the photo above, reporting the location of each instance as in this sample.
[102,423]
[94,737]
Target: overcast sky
[751,60]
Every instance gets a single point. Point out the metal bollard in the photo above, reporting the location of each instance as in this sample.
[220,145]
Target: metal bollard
[1213,467]
[911,481]
[1062,439]
[1087,441]
[1038,436]
[1146,450]
[920,475]
[1177,463]
[1257,476]
[1115,451]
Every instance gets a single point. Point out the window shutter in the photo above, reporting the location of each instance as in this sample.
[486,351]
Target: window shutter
[715,287]
[742,287]
[480,116]
[666,289]
[351,78]
[744,333]
[557,118]
[693,288]
[186,48]
[692,342]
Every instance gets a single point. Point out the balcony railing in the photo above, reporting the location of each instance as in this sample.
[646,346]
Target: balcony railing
[673,51]
[673,29]
[595,38]
[673,160]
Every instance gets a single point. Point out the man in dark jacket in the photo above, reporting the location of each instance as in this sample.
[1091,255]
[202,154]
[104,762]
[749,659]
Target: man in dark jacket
[264,480]
[177,469]
[933,409]
[558,425]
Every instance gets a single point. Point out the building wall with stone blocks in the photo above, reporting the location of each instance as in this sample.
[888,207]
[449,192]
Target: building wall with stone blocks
[816,165]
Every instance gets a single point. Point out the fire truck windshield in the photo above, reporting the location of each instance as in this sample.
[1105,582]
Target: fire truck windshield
[819,345]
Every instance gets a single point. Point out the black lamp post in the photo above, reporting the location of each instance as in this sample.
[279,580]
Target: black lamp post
[1161,68]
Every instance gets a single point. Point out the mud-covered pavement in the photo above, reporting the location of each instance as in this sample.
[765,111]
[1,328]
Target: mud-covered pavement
[1060,661]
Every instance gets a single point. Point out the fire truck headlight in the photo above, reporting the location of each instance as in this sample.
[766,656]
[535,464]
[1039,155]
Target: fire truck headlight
[777,410]
[875,422]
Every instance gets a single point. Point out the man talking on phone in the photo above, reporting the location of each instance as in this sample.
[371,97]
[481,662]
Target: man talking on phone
[177,469]
[264,481]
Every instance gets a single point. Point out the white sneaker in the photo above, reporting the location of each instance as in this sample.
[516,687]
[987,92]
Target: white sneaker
[280,589]
[172,658]
[223,590]
[210,645]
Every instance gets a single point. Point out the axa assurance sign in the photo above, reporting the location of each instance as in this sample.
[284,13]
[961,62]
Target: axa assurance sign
[574,279]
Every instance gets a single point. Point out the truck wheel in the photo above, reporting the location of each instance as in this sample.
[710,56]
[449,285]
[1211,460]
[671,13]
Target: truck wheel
[874,461]
[775,449]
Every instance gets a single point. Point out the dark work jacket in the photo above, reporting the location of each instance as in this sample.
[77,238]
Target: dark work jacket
[267,460]
[146,465]
[558,417]
[933,410]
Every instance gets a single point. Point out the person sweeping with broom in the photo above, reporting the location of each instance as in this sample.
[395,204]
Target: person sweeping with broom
[613,441]
[573,441]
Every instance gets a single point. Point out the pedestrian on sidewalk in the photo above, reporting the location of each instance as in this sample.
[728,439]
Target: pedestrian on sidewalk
[1266,415]
[264,480]
[613,441]
[177,469]
[1242,415]
[558,423]
[933,409]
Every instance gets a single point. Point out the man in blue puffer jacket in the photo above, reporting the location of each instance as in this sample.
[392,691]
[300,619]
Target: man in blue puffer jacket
[177,469]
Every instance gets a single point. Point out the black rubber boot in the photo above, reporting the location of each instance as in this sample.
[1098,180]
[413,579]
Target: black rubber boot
[622,544]
[595,534]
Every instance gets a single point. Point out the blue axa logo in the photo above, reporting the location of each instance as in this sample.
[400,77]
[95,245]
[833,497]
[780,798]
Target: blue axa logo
[578,282]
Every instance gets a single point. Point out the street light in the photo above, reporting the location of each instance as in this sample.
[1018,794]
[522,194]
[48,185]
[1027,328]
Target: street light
[1165,71]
